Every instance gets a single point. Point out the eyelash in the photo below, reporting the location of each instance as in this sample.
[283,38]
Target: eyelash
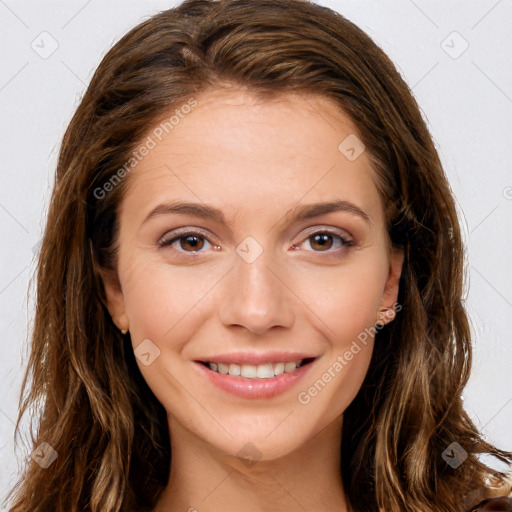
[176,237]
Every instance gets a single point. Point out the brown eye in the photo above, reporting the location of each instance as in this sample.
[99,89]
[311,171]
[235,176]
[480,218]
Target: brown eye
[329,242]
[321,241]
[191,242]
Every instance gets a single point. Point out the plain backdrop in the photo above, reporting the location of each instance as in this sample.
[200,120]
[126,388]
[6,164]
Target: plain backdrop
[455,55]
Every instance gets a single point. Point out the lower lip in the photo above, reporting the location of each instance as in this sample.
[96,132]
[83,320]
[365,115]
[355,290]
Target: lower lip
[255,388]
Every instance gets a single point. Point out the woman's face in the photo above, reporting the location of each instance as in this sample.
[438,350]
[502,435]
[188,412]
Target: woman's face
[251,275]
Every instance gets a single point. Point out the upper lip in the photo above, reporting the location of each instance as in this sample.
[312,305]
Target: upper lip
[255,358]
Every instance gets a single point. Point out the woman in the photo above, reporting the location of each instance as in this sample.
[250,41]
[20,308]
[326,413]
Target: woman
[250,284]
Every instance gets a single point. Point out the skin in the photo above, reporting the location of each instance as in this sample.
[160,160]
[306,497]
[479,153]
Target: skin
[254,160]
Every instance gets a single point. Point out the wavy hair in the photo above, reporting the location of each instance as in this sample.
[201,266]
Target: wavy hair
[82,383]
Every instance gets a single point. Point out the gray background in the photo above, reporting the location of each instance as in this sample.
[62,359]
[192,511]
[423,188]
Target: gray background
[465,95]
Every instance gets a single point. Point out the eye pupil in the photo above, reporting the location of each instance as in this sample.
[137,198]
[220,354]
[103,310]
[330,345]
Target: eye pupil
[323,240]
[192,240]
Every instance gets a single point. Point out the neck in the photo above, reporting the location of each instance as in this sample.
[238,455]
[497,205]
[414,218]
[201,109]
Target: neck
[203,479]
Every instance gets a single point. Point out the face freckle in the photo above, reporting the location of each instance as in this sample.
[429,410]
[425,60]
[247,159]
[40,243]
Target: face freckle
[237,178]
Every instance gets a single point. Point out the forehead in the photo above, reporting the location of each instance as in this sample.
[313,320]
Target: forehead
[234,148]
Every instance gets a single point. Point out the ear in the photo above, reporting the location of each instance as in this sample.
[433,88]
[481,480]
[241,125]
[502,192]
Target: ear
[390,293]
[113,298]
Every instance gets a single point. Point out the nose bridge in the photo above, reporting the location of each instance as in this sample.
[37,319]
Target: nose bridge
[255,297]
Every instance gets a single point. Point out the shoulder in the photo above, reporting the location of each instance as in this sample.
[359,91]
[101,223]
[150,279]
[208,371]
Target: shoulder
[502,503]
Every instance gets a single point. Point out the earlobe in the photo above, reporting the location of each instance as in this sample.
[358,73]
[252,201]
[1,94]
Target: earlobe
[385,316]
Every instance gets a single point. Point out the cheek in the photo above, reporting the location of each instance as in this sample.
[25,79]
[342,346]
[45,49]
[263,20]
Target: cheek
[345,309]
[165,305]
[147,301]
[344,300]
[164,302]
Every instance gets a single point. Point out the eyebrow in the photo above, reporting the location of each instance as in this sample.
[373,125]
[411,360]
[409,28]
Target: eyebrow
[301,212]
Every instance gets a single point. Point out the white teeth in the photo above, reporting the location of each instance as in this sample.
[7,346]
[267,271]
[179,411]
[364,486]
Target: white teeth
[278,368]
[223,368]
[251,371]
[265,371]
[234,369]
[289,367]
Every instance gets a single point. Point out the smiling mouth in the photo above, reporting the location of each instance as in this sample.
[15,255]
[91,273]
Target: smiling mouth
[260,371]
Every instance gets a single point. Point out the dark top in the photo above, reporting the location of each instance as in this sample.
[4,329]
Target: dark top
[503,504]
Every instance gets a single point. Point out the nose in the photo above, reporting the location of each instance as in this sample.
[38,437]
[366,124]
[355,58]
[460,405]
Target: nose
[256,296]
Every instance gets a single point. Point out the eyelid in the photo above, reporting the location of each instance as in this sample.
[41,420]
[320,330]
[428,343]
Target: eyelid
[179,232]
[345,235]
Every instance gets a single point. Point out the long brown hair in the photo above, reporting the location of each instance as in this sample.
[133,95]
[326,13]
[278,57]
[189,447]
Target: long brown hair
[82,382]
